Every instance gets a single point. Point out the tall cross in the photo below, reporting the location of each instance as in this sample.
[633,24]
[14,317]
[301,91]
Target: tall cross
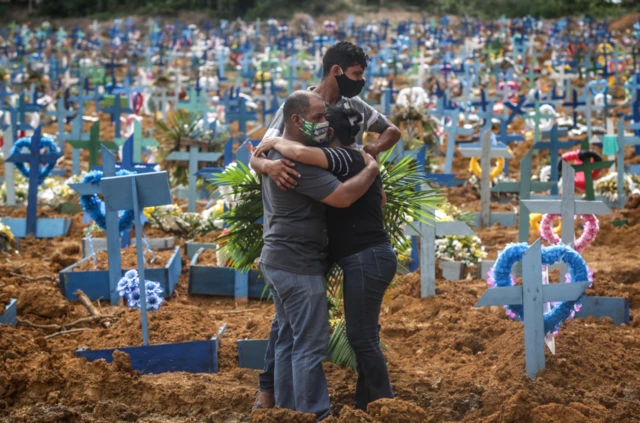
[138,143]
[193,156]
[567,206]
[575,103]
[554,145]
[452,131]
[622,141]
[93,144]
[427,232]
[242,115]
[76,135]
[137,192]
[486,153]
[112,223]
[524,188]
[9,175]
[115,110]
[35,160]
[197,104]
[532,295]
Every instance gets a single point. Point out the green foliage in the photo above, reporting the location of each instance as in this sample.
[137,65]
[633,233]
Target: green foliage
[251,9]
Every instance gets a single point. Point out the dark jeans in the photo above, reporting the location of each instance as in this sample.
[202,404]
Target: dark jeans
[367,276]
[301,342]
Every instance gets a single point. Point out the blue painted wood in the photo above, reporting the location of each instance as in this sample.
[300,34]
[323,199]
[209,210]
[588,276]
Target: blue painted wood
[35,160]
[10,313]
[443,179]
[191,357]
[191,248]
[251,353]
[194,157]
[46,227]
[95,283]
[529,295]
[615,308]
[501,218]
[214,280]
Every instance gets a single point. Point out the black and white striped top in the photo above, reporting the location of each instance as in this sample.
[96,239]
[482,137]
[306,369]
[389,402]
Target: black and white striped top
[341,161]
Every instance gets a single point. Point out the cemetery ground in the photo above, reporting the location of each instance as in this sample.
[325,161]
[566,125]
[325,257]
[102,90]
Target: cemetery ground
[448,360]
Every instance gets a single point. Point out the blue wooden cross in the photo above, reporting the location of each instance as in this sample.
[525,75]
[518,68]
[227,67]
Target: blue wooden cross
[453,130]
[622,141]
[532,295]
[113,237]
[524,188]
[427,258]
[139,142]
[115,110]
[241,115]
[137,192]
[554,145]
[196,104]
[486,152]
[575,104]
[76,134]
[193,156]
[128,162]
[35,160]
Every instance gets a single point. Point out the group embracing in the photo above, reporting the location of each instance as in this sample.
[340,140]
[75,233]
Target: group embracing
[322,196]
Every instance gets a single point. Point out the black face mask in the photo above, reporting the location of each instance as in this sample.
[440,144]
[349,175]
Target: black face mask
[348,87]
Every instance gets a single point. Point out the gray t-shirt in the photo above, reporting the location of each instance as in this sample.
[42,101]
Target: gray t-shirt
[372,120]
[295,221]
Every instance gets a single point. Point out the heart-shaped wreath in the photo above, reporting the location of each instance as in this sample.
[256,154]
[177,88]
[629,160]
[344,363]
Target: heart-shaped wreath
[46,142]
[500,276]
[589,222]
[93,205]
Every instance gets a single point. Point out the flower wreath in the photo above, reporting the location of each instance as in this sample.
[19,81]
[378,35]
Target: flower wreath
[500,276]
[591,229]
[92,204]
[474,167]
[45,142]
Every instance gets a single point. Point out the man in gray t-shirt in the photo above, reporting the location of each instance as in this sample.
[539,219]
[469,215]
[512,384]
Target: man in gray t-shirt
[293,259]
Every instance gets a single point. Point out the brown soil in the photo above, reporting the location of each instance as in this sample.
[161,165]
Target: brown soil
[208,258]
[211,237]
[129,260]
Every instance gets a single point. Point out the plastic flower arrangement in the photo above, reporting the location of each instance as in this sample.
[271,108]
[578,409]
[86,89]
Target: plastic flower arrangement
[129,288]
[53,191]
[172,219]
[22,190]
[607,186]
[5,232]
[466,249]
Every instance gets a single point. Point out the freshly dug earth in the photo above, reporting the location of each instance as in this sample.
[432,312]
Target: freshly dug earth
[448,361]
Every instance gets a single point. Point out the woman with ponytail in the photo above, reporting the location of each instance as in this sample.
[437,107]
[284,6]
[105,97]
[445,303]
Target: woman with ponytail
[358,243]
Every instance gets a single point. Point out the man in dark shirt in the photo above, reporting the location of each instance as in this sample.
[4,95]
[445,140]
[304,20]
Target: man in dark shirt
[293,259]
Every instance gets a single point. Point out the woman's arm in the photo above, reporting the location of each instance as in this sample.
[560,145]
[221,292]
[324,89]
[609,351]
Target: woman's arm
[295,151]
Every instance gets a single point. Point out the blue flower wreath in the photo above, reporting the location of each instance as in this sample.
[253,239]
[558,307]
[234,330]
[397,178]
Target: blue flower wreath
[45,142]
[500,276]
[93,205]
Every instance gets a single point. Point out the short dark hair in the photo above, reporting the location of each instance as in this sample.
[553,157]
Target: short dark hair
[297,104]
[345,54]
[345,124]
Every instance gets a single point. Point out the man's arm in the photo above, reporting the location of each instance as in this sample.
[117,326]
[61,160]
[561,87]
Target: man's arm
[375,121]
[350,191]
[387,139]
[280,171]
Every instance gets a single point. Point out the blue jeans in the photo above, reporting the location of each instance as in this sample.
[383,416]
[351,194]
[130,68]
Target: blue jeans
[367,276]
[302,340]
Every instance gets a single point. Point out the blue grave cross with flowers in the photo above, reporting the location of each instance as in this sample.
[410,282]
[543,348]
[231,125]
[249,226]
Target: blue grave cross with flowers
[36,172]
[526,302]
[136,192]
